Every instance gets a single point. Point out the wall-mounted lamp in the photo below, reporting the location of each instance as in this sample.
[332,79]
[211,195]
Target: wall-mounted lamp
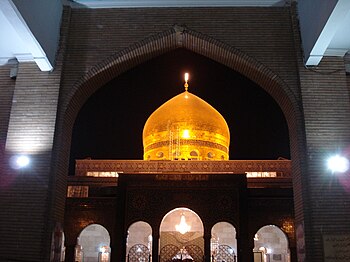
[338,164]
[19,161]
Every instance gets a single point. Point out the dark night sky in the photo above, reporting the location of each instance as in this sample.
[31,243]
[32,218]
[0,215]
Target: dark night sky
[110,124]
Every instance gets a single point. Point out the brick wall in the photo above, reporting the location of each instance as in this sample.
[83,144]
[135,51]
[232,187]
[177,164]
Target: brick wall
[24,213]
[326,105]
[95,35]
[7,86]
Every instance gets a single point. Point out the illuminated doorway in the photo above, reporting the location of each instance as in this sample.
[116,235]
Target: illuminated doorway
[271,245]
[139,242]
[181,237]
[223,243]
[93,244]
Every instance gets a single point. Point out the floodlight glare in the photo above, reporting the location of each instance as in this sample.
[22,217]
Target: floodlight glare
[21,161]
[338,164]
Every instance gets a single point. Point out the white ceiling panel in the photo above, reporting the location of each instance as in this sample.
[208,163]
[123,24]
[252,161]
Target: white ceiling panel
[178,3]
[17,41]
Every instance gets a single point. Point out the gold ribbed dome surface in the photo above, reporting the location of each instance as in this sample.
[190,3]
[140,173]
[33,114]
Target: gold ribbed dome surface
[186,128]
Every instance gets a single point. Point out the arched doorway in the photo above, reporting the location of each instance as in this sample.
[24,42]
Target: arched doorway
[271,244]
[223,243]
[181,236]
[139,242]
[93,244]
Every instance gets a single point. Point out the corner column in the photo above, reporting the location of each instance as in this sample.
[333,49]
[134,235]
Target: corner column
[324,212]
[26,199]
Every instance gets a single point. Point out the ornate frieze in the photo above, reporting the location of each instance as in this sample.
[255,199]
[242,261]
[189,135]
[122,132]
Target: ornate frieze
[281,167]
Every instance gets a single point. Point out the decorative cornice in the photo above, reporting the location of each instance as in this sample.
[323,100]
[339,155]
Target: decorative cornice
[282,167]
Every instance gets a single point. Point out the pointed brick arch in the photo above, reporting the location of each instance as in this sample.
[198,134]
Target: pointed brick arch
[180,37]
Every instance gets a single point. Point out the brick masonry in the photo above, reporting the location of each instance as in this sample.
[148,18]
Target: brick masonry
[7,86]
[98,45]
[326,106]
[25,209]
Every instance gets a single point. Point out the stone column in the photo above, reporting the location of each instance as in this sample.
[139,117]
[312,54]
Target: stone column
[155,245]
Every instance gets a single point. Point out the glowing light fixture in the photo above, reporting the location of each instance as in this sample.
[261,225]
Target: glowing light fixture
[183,227]
[186,81]
[103,249]
[20,161]
[104,254]
[186,134]
[338,164]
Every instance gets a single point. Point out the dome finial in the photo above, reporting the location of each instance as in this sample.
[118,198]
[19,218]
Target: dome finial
[186,82]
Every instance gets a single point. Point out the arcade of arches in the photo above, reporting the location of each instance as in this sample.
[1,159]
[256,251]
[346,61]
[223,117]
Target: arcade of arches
[93,243]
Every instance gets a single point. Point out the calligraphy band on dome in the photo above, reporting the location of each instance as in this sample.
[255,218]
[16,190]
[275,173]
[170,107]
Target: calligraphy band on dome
[189,142]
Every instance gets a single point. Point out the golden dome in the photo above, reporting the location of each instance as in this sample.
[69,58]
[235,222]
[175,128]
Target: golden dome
[186,128]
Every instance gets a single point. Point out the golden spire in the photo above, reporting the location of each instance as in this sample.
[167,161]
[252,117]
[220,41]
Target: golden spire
[186,82]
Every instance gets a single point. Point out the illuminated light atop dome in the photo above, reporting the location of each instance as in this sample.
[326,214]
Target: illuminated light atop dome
[186,81]
[186,77]
[186,128]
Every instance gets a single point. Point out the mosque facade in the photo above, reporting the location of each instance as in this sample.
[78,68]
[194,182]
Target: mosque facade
[185,201]
[41,204]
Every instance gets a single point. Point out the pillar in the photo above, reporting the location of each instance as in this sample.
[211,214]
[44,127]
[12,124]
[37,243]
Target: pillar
[27,213]
[207,239]
[155,244]
[325,196]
